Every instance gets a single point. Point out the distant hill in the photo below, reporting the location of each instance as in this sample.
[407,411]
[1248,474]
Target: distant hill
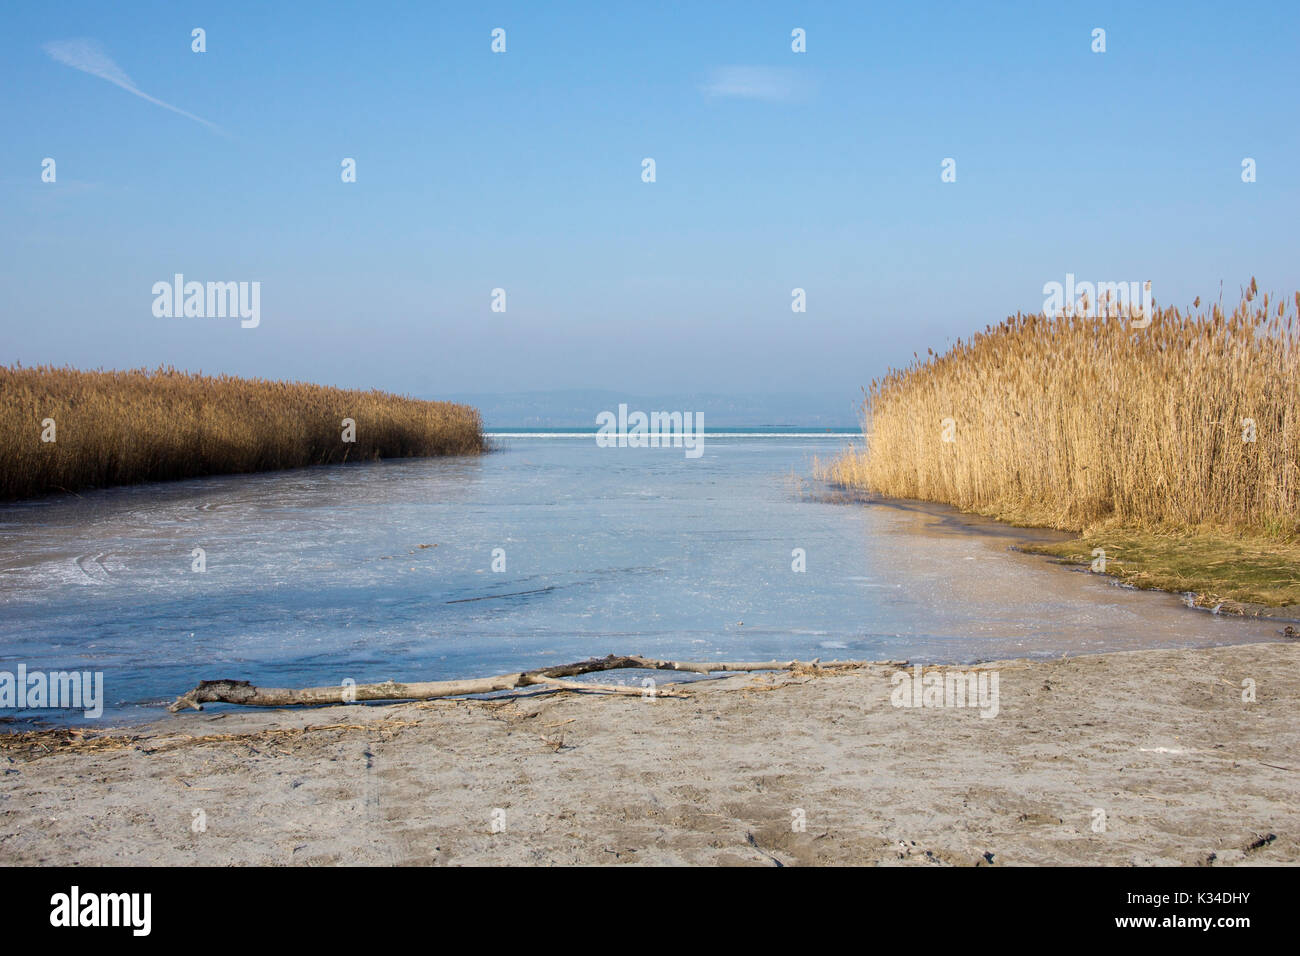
[574,408]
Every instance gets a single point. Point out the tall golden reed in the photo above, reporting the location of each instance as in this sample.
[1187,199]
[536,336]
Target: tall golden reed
[114,428]
[1088,423]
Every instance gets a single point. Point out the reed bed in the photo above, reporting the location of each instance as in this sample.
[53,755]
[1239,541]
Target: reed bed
[115,428]
[1087,423]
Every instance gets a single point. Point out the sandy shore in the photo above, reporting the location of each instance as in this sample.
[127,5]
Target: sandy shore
[1160,742]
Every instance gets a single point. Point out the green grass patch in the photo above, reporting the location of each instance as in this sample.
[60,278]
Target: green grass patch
[1218,570]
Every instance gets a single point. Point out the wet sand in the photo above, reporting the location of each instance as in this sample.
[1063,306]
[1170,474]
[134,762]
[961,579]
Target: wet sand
[1158,741]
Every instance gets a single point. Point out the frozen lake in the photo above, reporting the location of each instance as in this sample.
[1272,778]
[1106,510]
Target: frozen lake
[385,570]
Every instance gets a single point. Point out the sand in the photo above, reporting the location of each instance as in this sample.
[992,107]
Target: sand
[1145,757]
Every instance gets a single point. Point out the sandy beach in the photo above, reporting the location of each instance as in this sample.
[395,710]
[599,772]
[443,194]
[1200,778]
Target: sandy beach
[1143,758]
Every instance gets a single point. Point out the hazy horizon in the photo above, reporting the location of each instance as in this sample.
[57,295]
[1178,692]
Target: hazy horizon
[577,408]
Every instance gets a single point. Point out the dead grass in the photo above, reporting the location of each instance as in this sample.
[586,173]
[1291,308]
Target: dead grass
[115,428]
[1176,447]
[34,744]
[1085,423]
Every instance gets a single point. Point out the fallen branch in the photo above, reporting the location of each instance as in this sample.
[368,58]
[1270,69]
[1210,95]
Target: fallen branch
[546,679]
[557,684]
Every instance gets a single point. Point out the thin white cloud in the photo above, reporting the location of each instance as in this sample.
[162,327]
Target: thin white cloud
[757,83]
[89,57]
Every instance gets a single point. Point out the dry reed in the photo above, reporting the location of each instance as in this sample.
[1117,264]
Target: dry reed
[114,428]
[1084,423]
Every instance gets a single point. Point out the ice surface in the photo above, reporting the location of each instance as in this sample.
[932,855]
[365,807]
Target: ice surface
[318,575]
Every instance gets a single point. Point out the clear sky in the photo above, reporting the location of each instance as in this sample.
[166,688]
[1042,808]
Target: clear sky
[523,170]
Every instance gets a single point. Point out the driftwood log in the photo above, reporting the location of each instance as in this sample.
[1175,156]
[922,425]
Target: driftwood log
[545,679]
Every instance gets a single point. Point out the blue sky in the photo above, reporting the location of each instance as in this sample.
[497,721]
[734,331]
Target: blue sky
[522,171]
